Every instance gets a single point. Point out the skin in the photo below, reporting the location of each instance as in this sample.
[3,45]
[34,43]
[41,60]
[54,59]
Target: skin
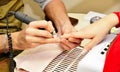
[57,13]
[31,36]
[96,32]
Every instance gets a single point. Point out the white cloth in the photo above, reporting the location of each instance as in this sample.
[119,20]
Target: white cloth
[94,60]
[35,60]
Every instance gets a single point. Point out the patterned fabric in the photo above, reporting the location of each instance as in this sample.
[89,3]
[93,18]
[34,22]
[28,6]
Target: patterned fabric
[67,61]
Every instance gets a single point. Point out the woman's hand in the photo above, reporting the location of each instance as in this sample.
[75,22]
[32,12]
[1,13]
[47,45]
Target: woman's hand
[95,32]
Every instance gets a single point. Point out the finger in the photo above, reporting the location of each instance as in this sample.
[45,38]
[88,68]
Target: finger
[71,39]
[75,40]
[65,47]
[93,42]
[69,44]
[42,40]
[66,36]
[38,24]
[37,32]
[52,40]
[50,27]
[81,34]
[42,24]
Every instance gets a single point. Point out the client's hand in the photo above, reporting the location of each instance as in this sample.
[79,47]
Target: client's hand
[64,42]
[96,32]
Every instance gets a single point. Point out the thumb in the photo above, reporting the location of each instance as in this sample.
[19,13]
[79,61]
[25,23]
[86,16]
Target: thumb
[50,27]
[88,46]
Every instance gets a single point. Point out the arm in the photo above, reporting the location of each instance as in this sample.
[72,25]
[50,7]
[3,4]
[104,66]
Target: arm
[55,11]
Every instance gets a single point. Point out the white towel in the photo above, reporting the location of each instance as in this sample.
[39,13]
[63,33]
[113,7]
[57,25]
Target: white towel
[36,59]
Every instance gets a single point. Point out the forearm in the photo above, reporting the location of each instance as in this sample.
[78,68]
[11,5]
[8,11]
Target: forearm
[112,19]
[109,21]
[3,43]
[55,11]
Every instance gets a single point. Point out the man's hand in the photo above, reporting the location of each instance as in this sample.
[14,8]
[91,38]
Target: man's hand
[68,43]
[33,36]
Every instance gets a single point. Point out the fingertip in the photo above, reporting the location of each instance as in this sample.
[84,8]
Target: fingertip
[88,46]
[49,22]
[50,26]
[73,34]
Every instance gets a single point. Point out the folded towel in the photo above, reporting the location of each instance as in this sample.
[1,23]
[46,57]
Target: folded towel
[36,59]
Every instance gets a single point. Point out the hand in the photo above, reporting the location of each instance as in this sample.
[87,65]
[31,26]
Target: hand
[68,43]
[96,32]
[32,36]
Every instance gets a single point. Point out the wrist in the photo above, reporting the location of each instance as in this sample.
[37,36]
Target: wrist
[64,23]
[118,15]
[15,40]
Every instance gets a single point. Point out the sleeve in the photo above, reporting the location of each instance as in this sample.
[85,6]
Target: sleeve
[118,15]
[43,3]
[112,61]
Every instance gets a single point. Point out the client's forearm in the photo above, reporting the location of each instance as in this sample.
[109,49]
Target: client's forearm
[111,20]
[108,21]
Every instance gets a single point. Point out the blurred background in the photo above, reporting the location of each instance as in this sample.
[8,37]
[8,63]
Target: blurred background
[75,6]
[84,6]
